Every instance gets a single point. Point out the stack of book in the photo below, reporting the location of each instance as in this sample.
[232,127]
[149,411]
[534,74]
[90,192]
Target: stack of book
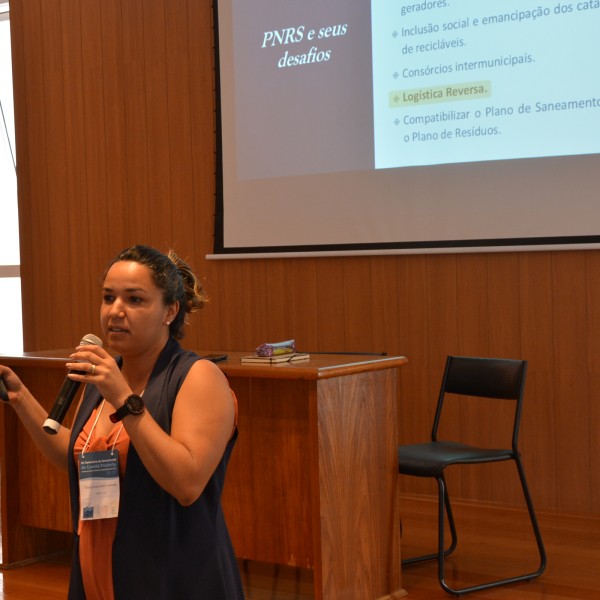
[276,358]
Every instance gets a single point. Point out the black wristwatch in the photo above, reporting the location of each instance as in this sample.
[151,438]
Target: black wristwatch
[134,405]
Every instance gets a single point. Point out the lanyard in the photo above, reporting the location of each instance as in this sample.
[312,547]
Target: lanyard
[87,442]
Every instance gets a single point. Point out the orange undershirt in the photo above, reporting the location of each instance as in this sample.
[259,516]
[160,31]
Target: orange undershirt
[96,536]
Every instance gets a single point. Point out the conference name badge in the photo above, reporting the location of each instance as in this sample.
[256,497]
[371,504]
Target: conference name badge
[99,485]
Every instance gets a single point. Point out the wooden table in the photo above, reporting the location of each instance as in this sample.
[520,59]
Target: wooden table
[312,481]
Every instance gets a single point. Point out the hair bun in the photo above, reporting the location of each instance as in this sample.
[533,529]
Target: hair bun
[196,297]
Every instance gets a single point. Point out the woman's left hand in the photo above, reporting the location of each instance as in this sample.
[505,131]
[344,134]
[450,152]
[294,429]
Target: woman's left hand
[94,365]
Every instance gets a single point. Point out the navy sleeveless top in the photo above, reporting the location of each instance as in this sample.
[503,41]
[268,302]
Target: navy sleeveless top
[162,550]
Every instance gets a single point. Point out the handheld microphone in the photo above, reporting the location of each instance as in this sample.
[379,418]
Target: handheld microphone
[3,392]
[67,393]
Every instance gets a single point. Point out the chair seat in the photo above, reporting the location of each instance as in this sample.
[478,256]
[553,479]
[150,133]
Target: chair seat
[430,459]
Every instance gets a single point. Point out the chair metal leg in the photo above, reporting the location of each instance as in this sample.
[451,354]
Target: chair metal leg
[443,499]
[498,582]
[534,522]
[450,517]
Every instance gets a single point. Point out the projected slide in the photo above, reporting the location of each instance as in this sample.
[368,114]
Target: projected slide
[460,81]
[408,125]
[302,82]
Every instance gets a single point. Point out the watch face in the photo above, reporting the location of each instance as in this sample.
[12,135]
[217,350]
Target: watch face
[135,404]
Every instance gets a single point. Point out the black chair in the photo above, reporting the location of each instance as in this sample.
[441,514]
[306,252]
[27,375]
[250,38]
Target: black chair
[501,379]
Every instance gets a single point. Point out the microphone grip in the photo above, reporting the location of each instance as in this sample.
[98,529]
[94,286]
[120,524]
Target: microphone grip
[63,402]
[67,392]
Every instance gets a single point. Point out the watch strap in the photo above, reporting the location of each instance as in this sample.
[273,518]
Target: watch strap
[126,409]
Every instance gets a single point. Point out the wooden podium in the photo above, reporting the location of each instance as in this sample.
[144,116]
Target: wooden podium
[312,482]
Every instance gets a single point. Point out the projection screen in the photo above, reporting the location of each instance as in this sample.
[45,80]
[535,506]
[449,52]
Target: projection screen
[350,126]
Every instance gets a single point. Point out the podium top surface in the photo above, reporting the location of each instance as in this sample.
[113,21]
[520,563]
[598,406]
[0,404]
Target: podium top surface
[318,366]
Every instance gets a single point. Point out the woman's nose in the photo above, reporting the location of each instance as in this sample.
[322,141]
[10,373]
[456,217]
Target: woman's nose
[117,309]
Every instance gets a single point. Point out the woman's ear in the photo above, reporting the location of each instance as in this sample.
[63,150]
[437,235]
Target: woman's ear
[171,313]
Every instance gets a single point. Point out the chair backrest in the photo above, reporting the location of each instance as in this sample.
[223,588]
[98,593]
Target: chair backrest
[485,377]
[498,378]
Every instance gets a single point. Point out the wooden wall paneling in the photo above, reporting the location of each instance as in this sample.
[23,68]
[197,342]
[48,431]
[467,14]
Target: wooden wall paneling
[192,338]
[180,201]
[116,234]
[76,218]
[202,333]
[94,241]
[182,197]
[539,428]
[472,305]
[203,123]
[254,304]
[37,328]
[231,297]
[505,342]
[136,118]
[357,294]
[279,301]
[413,310]
[305,303]
[207,322]
[191,112]
[158,122]
[59,312]
[55,191]
[201,179]
[180,141]
[202,89]
[592,261]
[418,390]
[571,409]
[103,230]
[89,144]
[504,314]
[205,326]
[106,155]
[442,297]
[384,313]
[331,300]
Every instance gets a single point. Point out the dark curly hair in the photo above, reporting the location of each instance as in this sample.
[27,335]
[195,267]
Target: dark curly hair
[173,276]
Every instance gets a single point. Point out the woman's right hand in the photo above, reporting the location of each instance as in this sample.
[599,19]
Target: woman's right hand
[11,382]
